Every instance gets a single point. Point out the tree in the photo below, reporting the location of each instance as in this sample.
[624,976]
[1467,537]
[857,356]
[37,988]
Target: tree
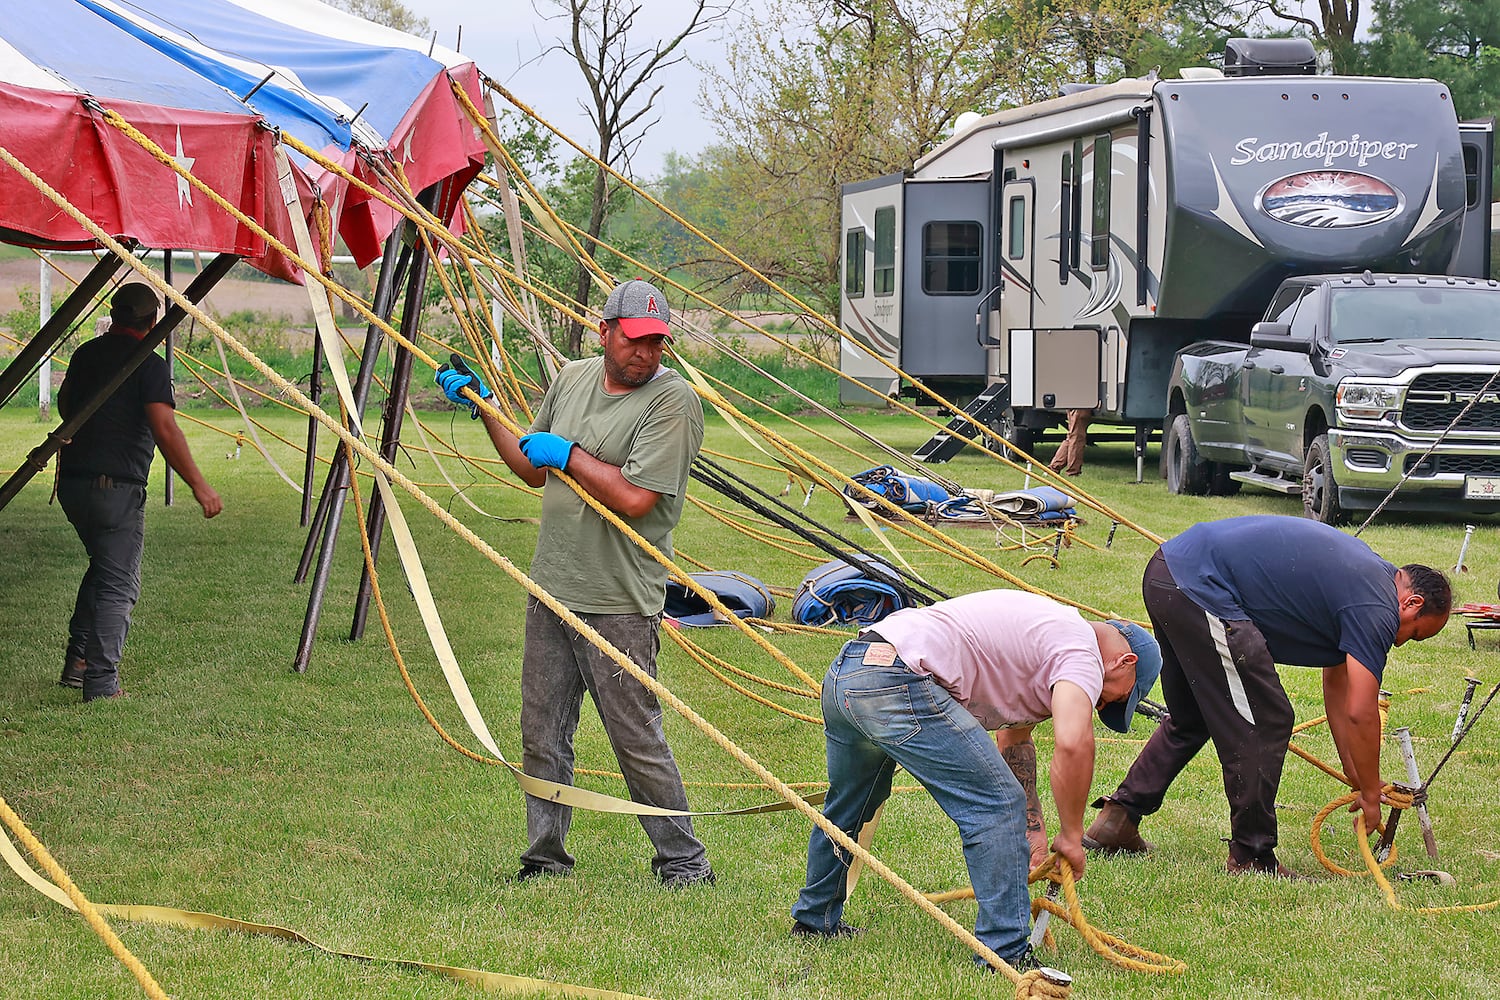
[619,76]
[1455,41]
[817,94]
[391,13]
[1334,28]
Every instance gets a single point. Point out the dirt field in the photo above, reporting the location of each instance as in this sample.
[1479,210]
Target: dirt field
[231,295]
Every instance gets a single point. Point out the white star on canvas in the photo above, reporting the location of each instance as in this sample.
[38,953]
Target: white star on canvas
[406,156]
[184,189]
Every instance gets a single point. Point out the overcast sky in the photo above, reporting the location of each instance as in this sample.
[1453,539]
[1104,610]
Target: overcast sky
[506,39]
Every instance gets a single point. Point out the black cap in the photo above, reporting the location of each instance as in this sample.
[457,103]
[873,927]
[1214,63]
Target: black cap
[134,304]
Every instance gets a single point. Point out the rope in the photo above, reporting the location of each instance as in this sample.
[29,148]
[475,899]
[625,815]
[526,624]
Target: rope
[481,122]
[115,119]
[1112,949]
[80,902]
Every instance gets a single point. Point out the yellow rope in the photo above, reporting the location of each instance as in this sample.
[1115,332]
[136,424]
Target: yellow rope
[1113,949]
[1042,472]
[60,878]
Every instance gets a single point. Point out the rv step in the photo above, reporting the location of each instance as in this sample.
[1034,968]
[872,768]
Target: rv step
[982,408]
[1276,484]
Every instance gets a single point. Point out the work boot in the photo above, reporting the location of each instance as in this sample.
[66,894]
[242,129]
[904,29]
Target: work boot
[72,674]
[1272,867]
[1114,832]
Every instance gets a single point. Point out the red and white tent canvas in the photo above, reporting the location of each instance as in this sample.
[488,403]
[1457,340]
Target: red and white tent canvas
[212,82]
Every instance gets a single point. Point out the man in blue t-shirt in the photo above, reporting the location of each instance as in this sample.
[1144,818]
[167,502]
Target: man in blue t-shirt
[1231,599]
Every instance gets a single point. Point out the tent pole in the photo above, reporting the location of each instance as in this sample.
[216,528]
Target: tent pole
[169,492]
[56,328]
[315,393]
[37,460]
[395,412]
[392,267]
[337,485]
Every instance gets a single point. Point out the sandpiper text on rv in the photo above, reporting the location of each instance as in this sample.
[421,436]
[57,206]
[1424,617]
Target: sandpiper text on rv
[1322,147]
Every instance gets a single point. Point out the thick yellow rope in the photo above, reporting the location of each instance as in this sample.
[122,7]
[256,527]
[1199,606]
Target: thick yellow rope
[91,915]
[481,122]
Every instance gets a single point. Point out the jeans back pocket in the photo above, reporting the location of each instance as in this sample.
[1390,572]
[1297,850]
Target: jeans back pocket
[883,714]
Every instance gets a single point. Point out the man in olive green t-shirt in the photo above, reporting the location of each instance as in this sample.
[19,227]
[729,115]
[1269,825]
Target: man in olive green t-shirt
[626,428]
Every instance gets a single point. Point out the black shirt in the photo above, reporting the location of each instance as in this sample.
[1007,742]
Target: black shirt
[116,441]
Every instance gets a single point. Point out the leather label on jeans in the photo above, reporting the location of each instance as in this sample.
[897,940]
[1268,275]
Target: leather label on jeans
[880,654]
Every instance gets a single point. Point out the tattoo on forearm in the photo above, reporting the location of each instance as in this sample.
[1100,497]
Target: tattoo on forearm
[1022,761]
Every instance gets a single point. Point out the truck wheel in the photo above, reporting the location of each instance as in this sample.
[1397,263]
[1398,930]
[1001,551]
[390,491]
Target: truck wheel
[1187,473]
[1320,492]
[1012,430]
[1219,483]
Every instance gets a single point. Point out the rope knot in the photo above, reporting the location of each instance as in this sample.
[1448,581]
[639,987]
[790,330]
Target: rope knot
[1398,798]
[1035,984]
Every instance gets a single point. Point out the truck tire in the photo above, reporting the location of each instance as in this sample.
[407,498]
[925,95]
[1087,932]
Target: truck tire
[1320,491]
[1187,473]
[1219,483]
[1012,430]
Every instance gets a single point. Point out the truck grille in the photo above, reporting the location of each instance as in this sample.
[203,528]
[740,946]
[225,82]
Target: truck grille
[1454,465]
[1435,399]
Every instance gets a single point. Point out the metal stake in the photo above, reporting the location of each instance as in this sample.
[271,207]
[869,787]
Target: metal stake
[1463,549]
[1463,709]
[1403,735]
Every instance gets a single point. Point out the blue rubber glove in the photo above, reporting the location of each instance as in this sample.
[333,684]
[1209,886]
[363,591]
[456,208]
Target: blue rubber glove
[456,376]
[547,451]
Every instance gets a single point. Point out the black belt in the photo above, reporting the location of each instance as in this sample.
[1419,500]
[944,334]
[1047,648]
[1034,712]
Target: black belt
[101,480]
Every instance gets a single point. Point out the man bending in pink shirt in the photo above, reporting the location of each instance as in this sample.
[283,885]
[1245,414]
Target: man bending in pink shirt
[921,692]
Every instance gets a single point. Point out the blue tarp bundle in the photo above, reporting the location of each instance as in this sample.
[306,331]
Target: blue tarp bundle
[1040,503]
[840,592]
[746,596]
[910,493]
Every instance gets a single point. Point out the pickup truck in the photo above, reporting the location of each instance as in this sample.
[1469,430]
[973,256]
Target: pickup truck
[1352,386]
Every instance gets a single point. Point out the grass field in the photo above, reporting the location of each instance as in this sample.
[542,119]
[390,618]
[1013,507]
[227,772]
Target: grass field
[324,802]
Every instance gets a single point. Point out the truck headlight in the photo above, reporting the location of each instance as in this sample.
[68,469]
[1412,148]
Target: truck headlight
[1368,400]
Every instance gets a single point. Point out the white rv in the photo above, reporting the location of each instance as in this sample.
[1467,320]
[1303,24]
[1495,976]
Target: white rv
[1068,249]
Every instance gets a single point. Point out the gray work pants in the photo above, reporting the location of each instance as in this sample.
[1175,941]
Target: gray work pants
[110,518]
[557,668]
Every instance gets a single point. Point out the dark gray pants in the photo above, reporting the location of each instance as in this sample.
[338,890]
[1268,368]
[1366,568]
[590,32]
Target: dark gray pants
[110,518]
[1219,683]
[557,668]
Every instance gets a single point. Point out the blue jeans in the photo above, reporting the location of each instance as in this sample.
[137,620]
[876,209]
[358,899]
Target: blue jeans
[110,518]
[878,717]
[558,667]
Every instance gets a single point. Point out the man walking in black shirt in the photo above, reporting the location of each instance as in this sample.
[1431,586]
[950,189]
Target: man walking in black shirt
[102,475]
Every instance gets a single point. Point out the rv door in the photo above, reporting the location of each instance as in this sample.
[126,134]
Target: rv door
[1017,264]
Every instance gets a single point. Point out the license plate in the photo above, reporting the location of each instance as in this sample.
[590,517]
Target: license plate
[1482,487]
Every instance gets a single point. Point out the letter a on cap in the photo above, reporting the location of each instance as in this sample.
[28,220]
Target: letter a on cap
[640,309]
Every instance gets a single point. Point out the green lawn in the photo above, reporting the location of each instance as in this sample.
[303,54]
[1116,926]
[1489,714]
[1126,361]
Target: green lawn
[325,802]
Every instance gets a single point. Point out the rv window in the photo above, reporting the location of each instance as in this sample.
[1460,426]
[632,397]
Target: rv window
[1099,242]
[950,257]
[885,251]
[1471,173]
[1017,225]
[1065,219]
[1075,224]
[854,264]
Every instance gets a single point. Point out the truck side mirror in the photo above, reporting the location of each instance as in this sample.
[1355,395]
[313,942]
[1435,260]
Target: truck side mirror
[1278,337]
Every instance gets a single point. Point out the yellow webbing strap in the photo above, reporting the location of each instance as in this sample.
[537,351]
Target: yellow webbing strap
[493,982]
[416,578]
[787,793]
